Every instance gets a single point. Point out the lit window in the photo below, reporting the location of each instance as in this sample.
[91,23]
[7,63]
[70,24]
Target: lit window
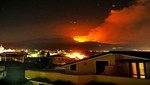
[138,70]
[134,70]
[141,70]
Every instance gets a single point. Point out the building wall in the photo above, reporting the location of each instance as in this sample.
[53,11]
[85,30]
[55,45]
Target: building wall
[75,79]
[125,69]
[86,67]
[147,65]
[89,66]
[69,71]
[121,80]
[119,69]
[52,76]
[84,79]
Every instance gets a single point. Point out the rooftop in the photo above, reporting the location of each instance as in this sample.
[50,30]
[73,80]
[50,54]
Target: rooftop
[140,54]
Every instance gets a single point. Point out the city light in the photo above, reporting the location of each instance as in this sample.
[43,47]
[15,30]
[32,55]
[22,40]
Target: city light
[76,55]
[33,55]
[2,49]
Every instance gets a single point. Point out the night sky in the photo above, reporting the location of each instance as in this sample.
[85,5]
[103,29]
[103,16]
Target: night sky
[31,19]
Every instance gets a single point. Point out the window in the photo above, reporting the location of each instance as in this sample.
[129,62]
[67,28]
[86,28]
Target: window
[141,70]
[73,67]
[134,70]
[100,66]
[138,69]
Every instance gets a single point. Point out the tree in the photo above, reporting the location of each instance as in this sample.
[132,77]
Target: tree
[48,54]
[42,54]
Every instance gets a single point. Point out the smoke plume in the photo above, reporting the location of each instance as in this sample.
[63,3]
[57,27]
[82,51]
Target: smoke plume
[129,25]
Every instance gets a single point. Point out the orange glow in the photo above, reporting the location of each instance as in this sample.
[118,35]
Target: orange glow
[80,38]
[118,27]
[134,70]
[76,55]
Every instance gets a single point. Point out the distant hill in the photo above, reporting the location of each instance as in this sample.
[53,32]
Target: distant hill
[55,43]
[66,43]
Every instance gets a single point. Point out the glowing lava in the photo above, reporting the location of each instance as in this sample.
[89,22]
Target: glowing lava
[80,38]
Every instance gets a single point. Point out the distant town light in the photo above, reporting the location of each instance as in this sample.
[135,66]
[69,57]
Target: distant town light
[33,55]
[2,49]
[76,55]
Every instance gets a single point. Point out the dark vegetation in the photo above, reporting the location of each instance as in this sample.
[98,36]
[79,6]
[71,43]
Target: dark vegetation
[99,83]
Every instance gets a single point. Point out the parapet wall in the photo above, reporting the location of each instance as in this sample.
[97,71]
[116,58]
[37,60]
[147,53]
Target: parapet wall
[83,79]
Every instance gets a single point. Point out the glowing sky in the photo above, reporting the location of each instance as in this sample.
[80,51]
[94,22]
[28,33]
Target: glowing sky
[128,25]
[30,19]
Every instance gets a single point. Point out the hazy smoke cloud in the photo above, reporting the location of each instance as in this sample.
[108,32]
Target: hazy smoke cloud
[129,25]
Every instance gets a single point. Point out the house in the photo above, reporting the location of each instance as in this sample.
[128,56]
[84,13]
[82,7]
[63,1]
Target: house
[115,63]
[116,67]
[61,59]
[13,56]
